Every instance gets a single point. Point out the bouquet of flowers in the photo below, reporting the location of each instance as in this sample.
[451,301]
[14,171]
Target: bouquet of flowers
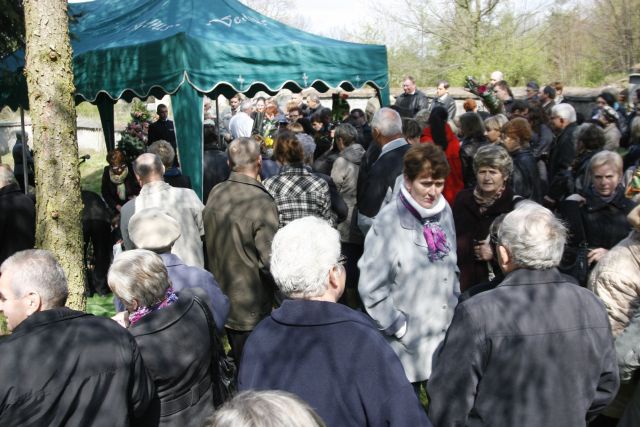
[134,138]
[485,92]
[339,107]
[139,112]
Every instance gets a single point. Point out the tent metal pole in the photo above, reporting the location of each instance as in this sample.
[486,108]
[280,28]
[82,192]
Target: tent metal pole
[25,147]
[218,124]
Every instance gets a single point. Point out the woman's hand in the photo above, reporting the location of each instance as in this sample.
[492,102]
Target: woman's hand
[596,255]
[482,250]
[577,198]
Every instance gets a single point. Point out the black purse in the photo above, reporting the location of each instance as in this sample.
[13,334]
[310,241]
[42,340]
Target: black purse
[223,370]
[574,260]
[575,263]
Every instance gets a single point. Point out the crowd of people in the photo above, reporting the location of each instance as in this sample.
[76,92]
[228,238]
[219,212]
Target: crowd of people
[418,267]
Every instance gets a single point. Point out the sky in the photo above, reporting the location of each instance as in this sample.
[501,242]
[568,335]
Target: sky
[324,15]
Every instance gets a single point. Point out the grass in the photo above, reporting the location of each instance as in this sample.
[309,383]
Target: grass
[101,306]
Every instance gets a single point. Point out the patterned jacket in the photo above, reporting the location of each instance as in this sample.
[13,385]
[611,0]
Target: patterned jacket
[298,193]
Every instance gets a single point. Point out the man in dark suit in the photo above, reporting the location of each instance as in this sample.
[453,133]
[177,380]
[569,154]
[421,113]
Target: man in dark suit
[163,129]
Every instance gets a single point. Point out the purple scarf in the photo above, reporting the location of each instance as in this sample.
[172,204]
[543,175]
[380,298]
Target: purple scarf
[434,235]
[169,298]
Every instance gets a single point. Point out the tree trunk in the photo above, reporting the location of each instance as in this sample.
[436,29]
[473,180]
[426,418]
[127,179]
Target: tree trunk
[49,75]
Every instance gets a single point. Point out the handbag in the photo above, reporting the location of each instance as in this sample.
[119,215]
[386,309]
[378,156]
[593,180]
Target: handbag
[575,260]
[223,370]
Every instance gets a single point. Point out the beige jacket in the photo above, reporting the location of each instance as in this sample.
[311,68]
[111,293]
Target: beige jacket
[616,280]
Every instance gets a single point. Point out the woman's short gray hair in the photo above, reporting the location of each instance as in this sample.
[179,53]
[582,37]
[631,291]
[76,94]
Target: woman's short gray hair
[495,122]
[534,237]
[138,275]
[493,156]
[347,132]
[164,150]
[270,408]
[302,253]
[606,157]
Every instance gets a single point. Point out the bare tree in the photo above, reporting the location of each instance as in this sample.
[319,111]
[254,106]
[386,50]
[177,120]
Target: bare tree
[50,80]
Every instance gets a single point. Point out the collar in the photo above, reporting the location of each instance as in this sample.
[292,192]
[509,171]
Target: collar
[45,317]
[163,318]
[10,188]
[299,312]
[154,187]
[247,180]
[392,145]
[443,97]
[527,276]
[171,260]
[294,170]
[423,212]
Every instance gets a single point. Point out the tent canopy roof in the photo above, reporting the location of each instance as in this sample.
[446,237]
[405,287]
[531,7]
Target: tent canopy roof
[139,48]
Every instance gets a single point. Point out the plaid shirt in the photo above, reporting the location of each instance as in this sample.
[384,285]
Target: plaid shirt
[299,193]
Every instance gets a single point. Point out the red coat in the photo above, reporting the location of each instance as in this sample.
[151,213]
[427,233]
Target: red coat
[454,182]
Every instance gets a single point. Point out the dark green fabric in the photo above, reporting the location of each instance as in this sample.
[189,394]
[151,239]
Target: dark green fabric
[137,48]
[187,111]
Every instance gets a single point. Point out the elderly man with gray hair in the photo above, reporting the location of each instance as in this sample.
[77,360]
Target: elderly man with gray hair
[240,220]
[62,366]
[181,203]
[381,165]
[241,124]
[563,151]
[535,351]
[332,357]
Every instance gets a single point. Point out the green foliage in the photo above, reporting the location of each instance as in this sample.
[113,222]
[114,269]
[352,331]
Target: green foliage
[12,24]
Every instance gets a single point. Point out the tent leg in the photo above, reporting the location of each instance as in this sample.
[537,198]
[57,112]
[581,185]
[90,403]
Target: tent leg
[218,123]
[105,108]
[187,112]
[25,147]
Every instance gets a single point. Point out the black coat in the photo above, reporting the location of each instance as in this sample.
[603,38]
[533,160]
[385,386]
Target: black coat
[110,190]
[162,130]
[17,221]
[468,149]
[604,224]
[561,157]
[472,225]
[409,105]
[525,180]
[64,367]
[175,345]
[535,351]
[215,169]
[378,178]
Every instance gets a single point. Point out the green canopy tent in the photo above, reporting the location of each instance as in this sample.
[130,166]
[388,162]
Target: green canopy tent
[191,48]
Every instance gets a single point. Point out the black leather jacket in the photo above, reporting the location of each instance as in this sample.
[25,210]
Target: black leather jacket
[525,180]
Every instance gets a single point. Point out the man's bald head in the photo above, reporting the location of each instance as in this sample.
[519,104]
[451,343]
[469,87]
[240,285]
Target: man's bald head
[148,168]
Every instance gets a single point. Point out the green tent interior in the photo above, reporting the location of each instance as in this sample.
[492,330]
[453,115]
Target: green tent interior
[191,48]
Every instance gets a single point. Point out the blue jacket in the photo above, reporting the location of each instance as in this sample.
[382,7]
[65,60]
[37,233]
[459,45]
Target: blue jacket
[333,358]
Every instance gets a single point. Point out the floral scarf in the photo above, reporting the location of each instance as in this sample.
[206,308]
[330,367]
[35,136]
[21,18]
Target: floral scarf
[118,180]
[169,298]
[430,219]
[483,201]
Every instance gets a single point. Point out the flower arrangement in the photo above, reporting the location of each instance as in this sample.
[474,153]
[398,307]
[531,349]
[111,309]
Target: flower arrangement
[485,92]
[339,107]
[134,138]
